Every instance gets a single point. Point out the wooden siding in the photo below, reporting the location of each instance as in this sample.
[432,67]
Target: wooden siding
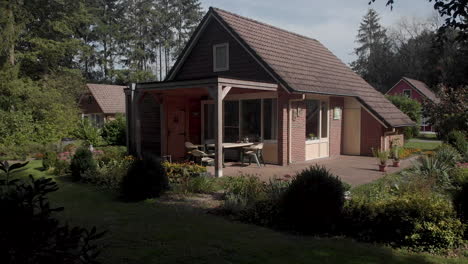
[89,105]
[199,63]
[150,126]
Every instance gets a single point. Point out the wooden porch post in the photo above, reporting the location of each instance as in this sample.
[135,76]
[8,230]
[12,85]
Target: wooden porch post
[218,131]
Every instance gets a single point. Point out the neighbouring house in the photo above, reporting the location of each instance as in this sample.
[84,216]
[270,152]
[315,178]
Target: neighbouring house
[415,90]
[102,102]
[239,78]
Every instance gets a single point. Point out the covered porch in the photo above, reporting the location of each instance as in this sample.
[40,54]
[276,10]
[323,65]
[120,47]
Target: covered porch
[165,115]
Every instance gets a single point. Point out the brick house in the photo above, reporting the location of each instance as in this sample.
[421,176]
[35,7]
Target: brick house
[415,90]
[239,78]
[101,102]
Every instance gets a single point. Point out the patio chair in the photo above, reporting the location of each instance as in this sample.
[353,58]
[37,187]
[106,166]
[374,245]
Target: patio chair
[189,147]
[253,152]
[203,157]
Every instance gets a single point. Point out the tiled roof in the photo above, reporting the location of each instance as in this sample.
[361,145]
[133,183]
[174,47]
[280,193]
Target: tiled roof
[422,88]
[110,98]
[303,64]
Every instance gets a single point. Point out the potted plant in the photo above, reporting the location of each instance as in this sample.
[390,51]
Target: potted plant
[382,156]
[396,156]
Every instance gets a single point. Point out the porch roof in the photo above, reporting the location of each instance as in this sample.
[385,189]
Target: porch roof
[207,82]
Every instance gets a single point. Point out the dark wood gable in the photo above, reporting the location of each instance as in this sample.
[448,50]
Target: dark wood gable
[199,63]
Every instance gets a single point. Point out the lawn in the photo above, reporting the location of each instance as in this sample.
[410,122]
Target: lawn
[424,145]
[151,232]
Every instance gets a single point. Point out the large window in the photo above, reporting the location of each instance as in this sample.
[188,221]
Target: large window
[255,119]
[231,121]
[270,119]
[221,57]
[316,119]
[251,119]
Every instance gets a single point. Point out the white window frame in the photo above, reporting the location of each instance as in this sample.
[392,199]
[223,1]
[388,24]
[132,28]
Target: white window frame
[410,92]
[219,69]
[320,138]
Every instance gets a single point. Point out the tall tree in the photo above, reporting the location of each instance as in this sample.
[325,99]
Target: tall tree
[374,54]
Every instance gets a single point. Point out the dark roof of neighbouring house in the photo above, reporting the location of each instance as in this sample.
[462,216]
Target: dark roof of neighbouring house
[422,88]
[110,98]
[303,64]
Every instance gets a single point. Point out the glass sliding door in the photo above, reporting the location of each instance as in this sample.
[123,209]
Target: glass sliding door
[231,121]
[251,119]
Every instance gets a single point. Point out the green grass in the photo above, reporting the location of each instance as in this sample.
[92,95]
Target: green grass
[427,136]
[423,145]
[150,232]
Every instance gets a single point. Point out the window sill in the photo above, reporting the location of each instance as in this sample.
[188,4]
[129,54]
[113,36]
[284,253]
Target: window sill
[315,141]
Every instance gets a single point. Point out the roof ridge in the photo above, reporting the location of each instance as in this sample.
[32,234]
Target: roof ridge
[263,23]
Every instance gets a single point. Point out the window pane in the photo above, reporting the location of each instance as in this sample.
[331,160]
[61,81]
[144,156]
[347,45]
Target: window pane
[250,124]
[269,119]
[231,121]
[209,117]
[221,61]
[312,118]
[324,120]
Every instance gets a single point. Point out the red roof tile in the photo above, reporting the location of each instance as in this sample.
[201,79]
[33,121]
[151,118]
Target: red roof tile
[303,64]
[110,98]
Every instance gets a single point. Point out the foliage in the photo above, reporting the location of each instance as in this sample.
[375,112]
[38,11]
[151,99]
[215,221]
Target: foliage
[180,173]
[49,160]
[109,174]
[90,134]
[458,140]
[374,54]
[112,153]
[412,109]
[82,162]
[114,132]
[395,152]
[30,234]
[62,167]
[451,113]
[145,179]
[313,202]
[201,184]
[381,155]
[241,192]
[420,221]
[8,169]
[460,202]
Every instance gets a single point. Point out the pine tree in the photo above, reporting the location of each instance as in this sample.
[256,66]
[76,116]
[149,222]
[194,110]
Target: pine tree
[374,55]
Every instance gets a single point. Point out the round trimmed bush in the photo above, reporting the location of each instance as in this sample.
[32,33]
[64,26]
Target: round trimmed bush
[49,160]
[314,201]
[145,179]
[82,162]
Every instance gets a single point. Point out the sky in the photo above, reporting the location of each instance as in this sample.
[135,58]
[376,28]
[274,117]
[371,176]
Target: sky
[332,22]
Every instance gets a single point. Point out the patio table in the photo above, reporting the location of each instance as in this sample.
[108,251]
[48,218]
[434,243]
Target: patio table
[229,145]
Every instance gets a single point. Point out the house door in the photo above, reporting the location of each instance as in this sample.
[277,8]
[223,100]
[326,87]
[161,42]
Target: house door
[176,129]
[351,127]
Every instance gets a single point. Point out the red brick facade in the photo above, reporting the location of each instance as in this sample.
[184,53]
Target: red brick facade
[336,127]
[372,133]
[283,122]
[298,131]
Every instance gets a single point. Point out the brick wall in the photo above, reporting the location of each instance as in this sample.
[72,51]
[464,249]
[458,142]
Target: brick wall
[298,130]
[336,127]
[283,101]
[372,133]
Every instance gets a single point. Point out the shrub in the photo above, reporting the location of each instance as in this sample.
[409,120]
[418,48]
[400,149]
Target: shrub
[109,175]
[62,167]
[382,156]
[111,153]
[179,173]
[313,202]
[460,202]
[114,132]
[49,160]
[407,152]
[448,155]
[29,233]
[241,192]
[145,179]
[412,109]
[90,134]
[81,162]
[417,220]
[458,140]
[201,184]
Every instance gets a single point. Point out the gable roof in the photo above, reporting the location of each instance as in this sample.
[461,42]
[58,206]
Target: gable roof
[110,98]
[422,88]
[300,64]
